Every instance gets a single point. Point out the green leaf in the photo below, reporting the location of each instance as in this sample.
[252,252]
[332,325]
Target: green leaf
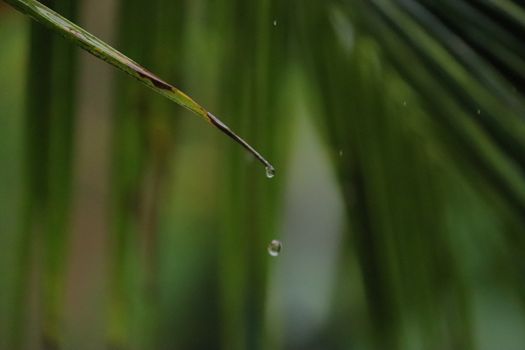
[100,49]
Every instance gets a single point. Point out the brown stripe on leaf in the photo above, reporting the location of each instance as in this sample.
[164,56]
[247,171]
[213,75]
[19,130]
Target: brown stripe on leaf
[161,84]
[226,130]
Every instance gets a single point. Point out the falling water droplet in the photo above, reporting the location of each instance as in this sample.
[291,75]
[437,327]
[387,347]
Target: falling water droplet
[340,153]
[270,172]
[275,23]
[275,247]
[404,103]
[479,111]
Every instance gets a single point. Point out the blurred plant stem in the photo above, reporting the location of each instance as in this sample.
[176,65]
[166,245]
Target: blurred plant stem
[258,59]
[49,135]
[142,147]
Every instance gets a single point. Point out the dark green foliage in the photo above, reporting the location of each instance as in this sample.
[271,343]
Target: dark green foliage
[420,106]
[423,115]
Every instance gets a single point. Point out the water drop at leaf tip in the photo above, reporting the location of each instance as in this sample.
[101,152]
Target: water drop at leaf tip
[270,171]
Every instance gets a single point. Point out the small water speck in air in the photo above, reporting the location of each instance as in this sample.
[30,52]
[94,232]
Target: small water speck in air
[404,103]
[275,23]
[275,247]
[340,153]
[479,111]
[270,172]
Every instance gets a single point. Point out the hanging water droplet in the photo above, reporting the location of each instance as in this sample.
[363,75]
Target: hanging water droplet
[270,172]
[275,23]
[275,247]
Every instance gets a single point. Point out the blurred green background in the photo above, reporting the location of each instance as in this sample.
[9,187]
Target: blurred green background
[397,128]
